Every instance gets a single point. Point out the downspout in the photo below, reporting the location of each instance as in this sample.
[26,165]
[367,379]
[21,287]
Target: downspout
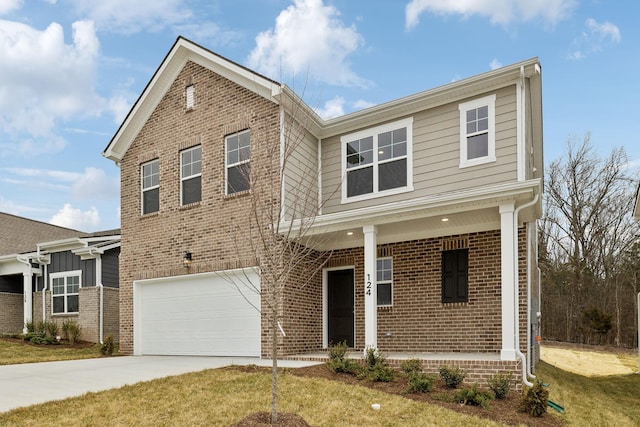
[529,374]
[45,281]
[516,296]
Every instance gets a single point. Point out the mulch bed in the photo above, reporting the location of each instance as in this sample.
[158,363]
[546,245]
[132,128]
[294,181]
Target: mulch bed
[503,411]
[62,344]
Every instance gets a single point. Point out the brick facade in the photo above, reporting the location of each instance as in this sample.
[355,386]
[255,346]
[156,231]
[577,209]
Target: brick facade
[12,313]
[213,230]
[89,316]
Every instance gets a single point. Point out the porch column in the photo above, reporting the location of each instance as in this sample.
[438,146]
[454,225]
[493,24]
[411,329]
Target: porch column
[370,288]
[507,241]
[27,295]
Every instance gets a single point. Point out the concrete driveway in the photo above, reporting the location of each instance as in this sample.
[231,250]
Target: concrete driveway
[32,383]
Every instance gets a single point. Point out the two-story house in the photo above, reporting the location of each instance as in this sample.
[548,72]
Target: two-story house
[51,273]
[426,207]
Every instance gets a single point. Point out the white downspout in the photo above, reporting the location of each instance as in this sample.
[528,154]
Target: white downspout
[27,297]
[45,282]
[535,239]
[516,294]
[99,285]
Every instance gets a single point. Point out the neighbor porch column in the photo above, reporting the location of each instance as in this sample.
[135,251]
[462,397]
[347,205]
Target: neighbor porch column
[507,249]
[370,287]
[27,294]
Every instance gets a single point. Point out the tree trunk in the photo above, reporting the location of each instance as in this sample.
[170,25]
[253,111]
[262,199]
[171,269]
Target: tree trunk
[274,364]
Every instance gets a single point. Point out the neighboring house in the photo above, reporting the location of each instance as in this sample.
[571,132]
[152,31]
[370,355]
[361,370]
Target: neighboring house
[77,271]
[428,205]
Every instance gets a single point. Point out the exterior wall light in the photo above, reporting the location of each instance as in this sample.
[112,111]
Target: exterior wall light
[187,259]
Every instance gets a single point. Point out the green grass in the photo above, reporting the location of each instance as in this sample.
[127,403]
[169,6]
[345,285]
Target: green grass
[593,401]
[221,397]
[12,353]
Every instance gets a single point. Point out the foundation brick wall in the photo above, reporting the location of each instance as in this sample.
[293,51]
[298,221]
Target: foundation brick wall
[215,230]
[89,316]
[12,313]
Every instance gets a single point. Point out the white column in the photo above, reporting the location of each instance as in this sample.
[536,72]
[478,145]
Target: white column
[370,288]
[507,248]
[27,293]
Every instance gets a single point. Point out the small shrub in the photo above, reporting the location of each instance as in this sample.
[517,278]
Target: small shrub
[452,377]
[51,328]
[338,360]
[473,396]
[40,328]
[412,366]
[376,367]
[419,382]
[499,384]
[535,399]
[30,326]
[106,349]
[42,339]
[72,331]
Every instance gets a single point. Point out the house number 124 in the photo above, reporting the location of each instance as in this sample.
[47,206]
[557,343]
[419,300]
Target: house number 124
[368,286]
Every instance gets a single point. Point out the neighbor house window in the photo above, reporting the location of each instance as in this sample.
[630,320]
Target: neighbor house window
[150,187]
[190,94]
[64,292]
[477,131]
[191,175]
[385,281]
[377,161]
[455,276]
[238,162]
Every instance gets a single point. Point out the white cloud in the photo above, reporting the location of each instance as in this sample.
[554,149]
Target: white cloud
[308,39]
[13,208]
[362,104]
[594,38]
[9,5]
[498,11]
[332,108]
[75,218]
[95,184]
[45,80]
[495,64]
[131,16]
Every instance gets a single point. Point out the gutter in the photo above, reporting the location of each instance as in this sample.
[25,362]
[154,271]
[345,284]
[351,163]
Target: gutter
[525,365]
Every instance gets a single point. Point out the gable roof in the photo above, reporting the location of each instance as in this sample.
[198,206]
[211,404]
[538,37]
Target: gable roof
[636,209]
[183,50]
[21,235]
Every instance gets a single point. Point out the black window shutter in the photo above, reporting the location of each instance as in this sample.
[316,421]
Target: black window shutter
[455,286]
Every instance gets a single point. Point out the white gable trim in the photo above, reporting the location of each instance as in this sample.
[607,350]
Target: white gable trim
[182,51]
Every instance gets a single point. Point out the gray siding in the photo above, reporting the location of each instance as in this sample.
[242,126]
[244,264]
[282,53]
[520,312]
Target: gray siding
[12,284]
[67,261]
[301,171]
[436,155]
[110,264]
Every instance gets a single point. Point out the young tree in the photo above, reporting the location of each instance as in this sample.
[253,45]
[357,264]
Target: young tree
[283,202]
[585,229]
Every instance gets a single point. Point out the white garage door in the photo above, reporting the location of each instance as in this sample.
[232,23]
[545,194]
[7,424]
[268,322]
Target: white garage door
[198,315]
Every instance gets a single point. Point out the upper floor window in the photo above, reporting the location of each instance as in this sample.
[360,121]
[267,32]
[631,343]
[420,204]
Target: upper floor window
[65,288]
[191,175]
[238,162]
[455,275]
[377,161]
[190,94]
[477,131]
[150,186]
[385,281]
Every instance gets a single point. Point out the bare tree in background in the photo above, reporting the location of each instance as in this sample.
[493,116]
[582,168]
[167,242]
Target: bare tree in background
[585,232]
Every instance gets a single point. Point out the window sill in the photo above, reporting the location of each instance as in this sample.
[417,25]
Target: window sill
[238,194]
[74,314]
[455,304]
[370,196]
[477,162]
[150,214]
[189,206]
[385,307]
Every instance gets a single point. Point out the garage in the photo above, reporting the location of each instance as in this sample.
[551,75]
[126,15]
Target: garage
[210,314]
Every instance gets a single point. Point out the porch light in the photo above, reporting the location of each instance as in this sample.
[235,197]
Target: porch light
[187,259]
[445,219]
[349,233]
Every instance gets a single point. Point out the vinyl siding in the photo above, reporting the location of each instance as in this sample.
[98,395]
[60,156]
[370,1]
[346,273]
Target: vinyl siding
[67,261]
[110,261]
[436,155]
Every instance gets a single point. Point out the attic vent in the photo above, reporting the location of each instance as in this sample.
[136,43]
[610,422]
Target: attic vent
[451,244]
[191,98]
[385,252]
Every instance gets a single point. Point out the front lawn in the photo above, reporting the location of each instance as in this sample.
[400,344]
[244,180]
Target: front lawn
[14,351]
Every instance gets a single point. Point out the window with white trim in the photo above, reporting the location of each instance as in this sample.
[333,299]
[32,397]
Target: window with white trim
[377,161]
[191,175]
[150,180]
[385,282]
[477,131]
[238,162]
[64,292]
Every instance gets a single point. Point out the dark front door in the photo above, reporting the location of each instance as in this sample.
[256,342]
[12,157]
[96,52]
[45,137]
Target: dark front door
[340,306]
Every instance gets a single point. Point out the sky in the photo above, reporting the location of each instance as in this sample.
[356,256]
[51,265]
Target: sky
[70,70]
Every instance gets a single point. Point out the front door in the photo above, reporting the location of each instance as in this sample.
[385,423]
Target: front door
[340,306]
